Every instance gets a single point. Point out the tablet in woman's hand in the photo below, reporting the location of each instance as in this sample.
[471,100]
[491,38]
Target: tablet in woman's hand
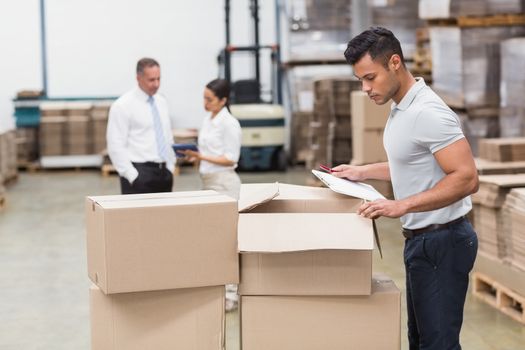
[177,147]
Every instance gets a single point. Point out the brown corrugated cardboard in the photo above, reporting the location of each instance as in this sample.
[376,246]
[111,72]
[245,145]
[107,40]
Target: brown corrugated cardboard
[366,114]
[174,319]
[285,198]
[304,241]
[487,167]
[367,147]
[494,188]
[161,241]
[323,322]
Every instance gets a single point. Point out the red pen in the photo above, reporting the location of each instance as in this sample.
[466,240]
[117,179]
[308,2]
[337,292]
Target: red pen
[325,168]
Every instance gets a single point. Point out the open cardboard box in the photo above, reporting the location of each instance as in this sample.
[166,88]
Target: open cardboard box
[298,240]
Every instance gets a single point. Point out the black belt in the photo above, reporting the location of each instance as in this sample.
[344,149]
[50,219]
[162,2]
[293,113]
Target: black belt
[152,165]
[408,234]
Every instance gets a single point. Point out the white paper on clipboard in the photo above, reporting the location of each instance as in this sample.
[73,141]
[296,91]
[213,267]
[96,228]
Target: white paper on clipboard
[354,189]
[349,188]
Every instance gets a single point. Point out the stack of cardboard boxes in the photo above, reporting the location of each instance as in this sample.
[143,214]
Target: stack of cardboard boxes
[514,216]
[368,124]
[99,120]
[26,145]
[159,263]
[73,128]
[8,163]
[330,132]
[503,150]
[306,273]
[489,221]
[512,88]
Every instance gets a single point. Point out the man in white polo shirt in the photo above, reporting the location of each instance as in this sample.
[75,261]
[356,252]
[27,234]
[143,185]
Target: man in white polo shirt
[433,174]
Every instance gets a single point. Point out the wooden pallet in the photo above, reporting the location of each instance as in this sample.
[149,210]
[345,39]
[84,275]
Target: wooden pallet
[498,296]
[107,169]
[480,21]
[28,166]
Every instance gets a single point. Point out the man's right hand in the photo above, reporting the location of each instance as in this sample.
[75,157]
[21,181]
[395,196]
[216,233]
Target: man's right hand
[351,172]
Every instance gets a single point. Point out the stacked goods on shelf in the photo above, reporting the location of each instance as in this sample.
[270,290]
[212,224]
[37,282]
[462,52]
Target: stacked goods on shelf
[299,149]
[8,163]
[2,192]
[501,156]
[318,28]
[328,14]
[494,239]
[422,65]
[73,128]
[52,138]
[99,120]
[466,65]
[488,167]
[401,17]
[330,126]
[503,149]
[501,282]
[512,88]
[26,146]
[310,288]
[156,285]
[431,9]
[477,128]
[8,154]
[514,219]
[368,124]
[78,138]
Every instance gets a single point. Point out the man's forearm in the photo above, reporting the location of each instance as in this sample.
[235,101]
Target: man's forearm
[450,189]
[376,171]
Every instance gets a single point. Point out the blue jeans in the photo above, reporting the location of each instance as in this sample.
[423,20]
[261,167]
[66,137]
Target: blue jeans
[437,265]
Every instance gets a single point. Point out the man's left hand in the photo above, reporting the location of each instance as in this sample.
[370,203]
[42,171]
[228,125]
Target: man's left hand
[382,207]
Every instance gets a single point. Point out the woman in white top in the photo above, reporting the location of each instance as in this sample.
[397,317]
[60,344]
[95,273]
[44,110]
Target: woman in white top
[219,142]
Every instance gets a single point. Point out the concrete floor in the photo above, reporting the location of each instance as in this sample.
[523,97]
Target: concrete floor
[44,288]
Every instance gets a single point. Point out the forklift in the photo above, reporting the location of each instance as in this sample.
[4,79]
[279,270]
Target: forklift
[261,120]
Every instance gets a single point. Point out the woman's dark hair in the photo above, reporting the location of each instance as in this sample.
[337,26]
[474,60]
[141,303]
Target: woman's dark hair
[221,89]
[378,42]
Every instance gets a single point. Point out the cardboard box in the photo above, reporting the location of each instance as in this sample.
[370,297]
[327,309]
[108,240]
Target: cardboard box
[161,241]
[494,188]
[174,319]
[367,147]
[323,322]
[366,114]
[303,241]
[285,198]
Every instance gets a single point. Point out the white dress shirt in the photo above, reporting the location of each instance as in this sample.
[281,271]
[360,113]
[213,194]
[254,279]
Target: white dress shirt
[131,134]
[220,136]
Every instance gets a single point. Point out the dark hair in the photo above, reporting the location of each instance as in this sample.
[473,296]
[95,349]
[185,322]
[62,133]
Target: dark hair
[378,42]
[221,89]
[146,62]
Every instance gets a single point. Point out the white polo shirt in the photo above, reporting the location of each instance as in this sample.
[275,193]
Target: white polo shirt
[220,136]
[419,126]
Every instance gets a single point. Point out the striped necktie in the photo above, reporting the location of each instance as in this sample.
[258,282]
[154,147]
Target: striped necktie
[159,134]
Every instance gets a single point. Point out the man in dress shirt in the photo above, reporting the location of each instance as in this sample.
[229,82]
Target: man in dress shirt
[139,135]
